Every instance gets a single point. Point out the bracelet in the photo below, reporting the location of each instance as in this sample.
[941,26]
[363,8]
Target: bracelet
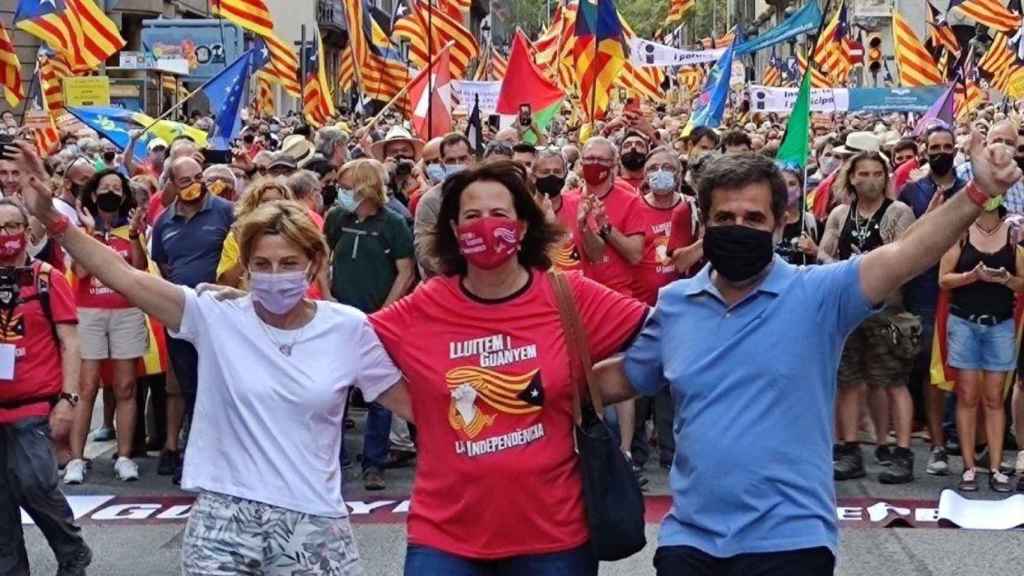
[976,196]
[58,227]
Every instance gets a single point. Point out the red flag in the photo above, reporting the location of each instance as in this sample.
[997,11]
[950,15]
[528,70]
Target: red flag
[430,99]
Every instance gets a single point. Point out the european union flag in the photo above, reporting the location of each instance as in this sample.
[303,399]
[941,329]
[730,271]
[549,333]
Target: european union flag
[226,91]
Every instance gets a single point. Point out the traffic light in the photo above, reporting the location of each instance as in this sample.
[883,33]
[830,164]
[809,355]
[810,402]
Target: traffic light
[874,53]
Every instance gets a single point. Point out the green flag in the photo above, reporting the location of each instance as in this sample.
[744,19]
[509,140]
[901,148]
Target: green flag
[795,146]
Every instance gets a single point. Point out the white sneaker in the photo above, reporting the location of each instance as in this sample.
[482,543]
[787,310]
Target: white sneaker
[74,472]
[126,470]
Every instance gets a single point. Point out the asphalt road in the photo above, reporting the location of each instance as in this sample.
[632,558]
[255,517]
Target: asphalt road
[135,529]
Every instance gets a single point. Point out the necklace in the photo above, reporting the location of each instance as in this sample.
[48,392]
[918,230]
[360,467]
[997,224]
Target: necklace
[988,232]
[283,348]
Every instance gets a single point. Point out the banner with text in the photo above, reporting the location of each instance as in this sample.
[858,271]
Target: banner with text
[466,92]
[770,99]
[646,53]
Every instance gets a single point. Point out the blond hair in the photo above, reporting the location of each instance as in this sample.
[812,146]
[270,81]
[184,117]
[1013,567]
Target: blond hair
[369,179]
[257,190]
[285,218]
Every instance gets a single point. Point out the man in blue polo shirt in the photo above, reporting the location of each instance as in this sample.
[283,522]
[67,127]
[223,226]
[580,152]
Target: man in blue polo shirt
[187,242]
[750,348]
[921,294]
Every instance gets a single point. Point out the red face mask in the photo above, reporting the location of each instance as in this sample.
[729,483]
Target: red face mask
[595,174]
[489,242]
[12,244]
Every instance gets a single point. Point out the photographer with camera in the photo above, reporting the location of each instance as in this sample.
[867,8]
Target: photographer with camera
[39,368]
[399,151]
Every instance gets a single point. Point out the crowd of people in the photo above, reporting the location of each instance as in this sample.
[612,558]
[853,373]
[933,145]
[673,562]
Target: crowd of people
[736,310]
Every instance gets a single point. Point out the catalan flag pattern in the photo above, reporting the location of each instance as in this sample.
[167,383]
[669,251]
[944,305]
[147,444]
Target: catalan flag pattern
[991,13]
[772,73]
[426,23]
[691,78]
[837,51]
[48,138]
[599,54]
[678,8]
[455,8]
[10,70]
[999,62]
[640,81]
[254,16]
[264,105]
[818,78]
[78,29]
[499,391]
[377,66]
[940,31]
[346,70]
[916,65]
[317,106]
[52,70]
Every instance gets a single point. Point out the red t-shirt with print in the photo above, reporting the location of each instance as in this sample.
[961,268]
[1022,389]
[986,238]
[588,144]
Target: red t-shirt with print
[656,268]
[37,365]
[566,255]
[497,475]
[622,206]
[91,293]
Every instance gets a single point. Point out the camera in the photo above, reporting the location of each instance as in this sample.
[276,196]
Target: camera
[404,168]
[12,278]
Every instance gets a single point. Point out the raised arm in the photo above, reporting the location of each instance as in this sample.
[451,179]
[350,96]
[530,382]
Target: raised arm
[154,295]
[887,268]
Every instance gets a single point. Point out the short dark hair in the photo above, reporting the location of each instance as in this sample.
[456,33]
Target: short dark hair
[540,235]
[498,148]
[939,128]
[127,202]
[736,138]
[736,171]
[906,144]
[524,148]
[701,132]
[453,139]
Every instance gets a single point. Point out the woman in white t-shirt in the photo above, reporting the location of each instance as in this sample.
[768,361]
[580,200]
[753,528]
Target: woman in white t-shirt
[274,373]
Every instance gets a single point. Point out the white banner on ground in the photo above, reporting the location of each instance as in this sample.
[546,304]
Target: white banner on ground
[771,99]
[466,92]
[646,53]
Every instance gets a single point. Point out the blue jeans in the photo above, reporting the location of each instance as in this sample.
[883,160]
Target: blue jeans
[376,441]
[424,561]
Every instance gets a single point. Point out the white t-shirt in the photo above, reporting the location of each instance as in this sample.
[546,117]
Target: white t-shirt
[267,427]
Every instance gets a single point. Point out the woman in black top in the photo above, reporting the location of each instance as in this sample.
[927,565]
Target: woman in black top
[799,243]
[982,272]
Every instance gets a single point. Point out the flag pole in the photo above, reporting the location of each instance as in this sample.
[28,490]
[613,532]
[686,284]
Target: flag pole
[811,61]
[430,59]
[31,88]
[396,97]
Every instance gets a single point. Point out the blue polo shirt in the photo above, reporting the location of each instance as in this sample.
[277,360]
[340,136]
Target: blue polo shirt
[190,249]
[922,293]
[754,388]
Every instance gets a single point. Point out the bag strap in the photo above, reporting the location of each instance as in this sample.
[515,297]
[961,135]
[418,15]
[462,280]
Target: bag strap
[576,345]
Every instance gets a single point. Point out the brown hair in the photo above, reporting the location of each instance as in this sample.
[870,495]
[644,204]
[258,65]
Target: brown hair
[256,191]
[540,235]
[285,218]
[369,180]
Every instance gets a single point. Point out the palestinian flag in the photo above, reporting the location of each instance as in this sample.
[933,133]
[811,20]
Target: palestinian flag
[524,83]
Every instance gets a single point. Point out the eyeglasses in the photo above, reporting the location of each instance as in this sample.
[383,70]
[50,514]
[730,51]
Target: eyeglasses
[188,180]
[12,227]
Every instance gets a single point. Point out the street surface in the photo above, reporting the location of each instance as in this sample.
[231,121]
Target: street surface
[135,529]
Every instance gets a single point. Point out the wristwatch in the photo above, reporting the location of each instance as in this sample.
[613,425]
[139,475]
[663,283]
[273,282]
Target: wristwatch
[71,397]
[605,231]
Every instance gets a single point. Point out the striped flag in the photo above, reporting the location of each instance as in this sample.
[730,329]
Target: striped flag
[599,54]
[916,65]
[346,71]
[691,78]
[678,8]
[940,32]
[254,16]
[264,103]
[442,28]
[10,70]
[47,139]
[641,81]
[991,13]
[317,106]
[772,73]
[52,71]
[455,8]
[999,62]
[376,65]
[78,29]
[837,51]
[818,78]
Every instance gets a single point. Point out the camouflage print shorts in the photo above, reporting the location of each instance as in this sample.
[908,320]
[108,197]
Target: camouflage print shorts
[869,357]
[228,536]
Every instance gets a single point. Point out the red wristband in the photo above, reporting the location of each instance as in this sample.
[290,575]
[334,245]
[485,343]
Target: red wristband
[976,196]
[58,227]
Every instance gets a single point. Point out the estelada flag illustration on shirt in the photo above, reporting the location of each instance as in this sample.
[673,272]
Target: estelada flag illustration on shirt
[508,394]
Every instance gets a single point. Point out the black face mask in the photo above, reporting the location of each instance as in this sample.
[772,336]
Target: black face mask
[330,194]
[76,189]
[551,185]
[738,252]
[108,202]
[941,162]
[108,157]
[634,160]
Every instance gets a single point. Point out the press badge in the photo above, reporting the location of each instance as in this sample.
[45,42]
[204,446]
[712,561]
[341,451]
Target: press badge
[7,354]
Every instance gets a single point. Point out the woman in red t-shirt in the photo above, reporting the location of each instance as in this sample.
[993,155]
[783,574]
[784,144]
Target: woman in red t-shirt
[110,328]
[497,484]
